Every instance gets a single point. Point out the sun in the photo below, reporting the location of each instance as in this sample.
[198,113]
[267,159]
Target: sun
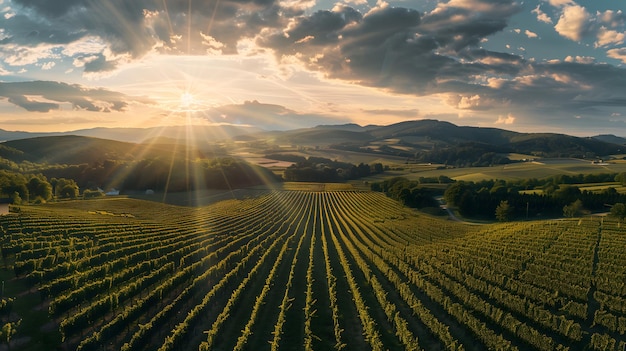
[187,100]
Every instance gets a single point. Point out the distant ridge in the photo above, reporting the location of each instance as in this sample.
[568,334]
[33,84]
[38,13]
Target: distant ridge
[425,140]
[137,135]
[74,149]
[610,138]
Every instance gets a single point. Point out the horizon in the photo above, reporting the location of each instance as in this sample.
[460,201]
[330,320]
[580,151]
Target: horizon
[555,66]
[65,132]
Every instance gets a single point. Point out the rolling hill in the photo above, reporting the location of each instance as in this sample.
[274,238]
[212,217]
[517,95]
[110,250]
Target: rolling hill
[416,141]
[137,135]
[72,149]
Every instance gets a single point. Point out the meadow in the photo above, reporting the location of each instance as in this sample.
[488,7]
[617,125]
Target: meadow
[306,268]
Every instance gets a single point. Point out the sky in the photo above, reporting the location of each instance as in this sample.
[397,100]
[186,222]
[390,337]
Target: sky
[528,66]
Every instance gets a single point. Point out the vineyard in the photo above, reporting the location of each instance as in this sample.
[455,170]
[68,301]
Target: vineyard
[307,270]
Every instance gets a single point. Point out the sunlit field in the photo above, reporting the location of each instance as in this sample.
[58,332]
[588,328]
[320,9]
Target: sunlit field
[308,267]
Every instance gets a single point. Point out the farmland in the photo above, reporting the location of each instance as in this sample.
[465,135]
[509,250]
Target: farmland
[307,268]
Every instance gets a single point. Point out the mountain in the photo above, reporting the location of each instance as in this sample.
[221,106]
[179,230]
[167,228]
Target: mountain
[610,138]
[444,142]
[416,141]
[73,149]
[137,135]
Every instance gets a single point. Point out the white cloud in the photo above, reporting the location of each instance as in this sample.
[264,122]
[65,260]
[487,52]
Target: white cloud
[541,16]
[84,46]
[510,119]
[609,37]
[573,22]
[580,59]
[559,3]
[16,55]
[530,34]
[469,102]
[618,54]
[48,65]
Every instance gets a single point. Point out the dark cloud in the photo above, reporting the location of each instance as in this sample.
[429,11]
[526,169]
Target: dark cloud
[266,116]
[100,64]
[30,105]
[398,48]
[96,100]
[137,27]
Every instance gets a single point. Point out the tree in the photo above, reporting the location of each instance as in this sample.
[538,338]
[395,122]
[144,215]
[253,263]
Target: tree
[573,210]
[618,211]
[67,188]
[621,177]
[16,198]
[38,187]
[504,211]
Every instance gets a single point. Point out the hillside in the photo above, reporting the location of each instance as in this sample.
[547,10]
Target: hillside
[421,141]
[72,149]
[432,141]
[299,267]
[138,135]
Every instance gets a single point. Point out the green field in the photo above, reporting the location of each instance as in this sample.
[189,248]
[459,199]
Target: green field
[510,172]
[307,268]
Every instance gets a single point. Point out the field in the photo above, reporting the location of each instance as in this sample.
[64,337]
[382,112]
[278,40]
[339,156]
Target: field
[307,268]
[516,171]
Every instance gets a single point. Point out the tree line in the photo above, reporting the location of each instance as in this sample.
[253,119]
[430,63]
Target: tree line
[502,200]
[319,169]
[158,174]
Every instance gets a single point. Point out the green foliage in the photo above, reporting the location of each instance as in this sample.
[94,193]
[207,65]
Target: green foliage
[319,169]
[504,212]
[621,177]
[39,187]
[480,199]
[344,269]
[8,330]
[66,189]
[573,210]
[409,193]
[618,210]
[16,198]
[90,194]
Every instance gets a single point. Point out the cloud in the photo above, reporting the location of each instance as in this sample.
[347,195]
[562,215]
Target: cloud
[135,28]
[618,54]
[45,96]
[561,2]
[391,47]
[266,116]
[48,65]
[509,119]
[573,22]
[541,16]
[608,37]
[612,18]
[580,59]
[530,34]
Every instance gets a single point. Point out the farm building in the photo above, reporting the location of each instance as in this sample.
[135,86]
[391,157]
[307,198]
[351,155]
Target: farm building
[4,206]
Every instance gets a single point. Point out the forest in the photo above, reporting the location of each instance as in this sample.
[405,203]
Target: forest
[525,199]
[69,181]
